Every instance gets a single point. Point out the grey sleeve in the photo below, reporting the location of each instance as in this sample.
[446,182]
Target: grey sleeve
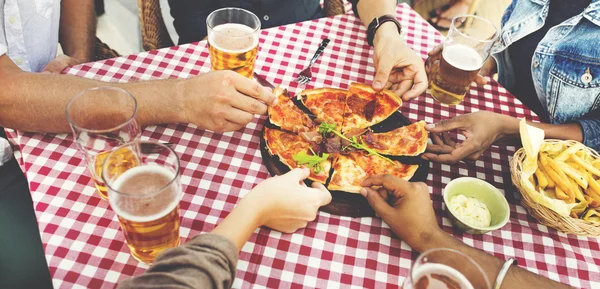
[206,261]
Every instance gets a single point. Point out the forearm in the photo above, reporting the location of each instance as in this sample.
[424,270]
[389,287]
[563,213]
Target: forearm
[206,261]
[516,276]
[370,9]
[568,131]
[37,102]
[78,29]
[240,224]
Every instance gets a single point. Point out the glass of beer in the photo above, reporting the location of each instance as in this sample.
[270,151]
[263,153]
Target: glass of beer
[446,268]
[144,192]
[467,46]
[233,40]
[101,119]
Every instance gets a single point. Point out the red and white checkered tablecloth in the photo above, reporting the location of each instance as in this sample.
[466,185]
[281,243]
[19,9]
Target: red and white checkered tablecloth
[86,249]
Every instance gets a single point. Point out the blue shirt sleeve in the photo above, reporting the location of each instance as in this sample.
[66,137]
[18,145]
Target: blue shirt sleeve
[591,132]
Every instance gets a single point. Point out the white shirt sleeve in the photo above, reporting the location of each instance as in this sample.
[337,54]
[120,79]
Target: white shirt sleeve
[2,49]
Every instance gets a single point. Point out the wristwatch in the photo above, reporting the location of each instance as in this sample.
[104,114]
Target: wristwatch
[377,22]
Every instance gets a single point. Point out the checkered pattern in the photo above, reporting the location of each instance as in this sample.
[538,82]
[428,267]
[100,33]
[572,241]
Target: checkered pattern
[84,245]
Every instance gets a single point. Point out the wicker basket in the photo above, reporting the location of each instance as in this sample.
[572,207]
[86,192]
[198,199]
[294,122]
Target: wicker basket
[544,215]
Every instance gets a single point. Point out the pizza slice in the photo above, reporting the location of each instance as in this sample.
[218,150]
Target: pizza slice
[410,140]
[327,104]
[366,107]
[286,145]
[286,115]
[351,169]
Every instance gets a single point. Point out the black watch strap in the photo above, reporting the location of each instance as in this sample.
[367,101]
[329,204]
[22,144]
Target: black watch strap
[377,22]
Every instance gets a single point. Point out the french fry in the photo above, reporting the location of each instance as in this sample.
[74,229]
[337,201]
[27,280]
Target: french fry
[542,179]
[541,168]
[560,194]
[594,188]
[578,191]
[591,202]
[562,180]
[568,152]
[574,174]
[586,165]
[596,164]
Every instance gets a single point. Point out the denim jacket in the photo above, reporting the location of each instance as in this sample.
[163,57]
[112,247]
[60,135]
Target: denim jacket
[565,66]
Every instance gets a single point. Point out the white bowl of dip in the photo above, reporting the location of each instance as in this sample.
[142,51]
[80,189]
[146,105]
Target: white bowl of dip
[472,204]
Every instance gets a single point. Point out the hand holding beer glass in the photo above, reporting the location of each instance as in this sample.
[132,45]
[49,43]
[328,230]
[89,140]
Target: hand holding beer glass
[466,48]
[233,40]
[144,192]
[446,268]
[101,119]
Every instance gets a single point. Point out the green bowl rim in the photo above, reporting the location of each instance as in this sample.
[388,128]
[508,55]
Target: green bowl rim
[496,191]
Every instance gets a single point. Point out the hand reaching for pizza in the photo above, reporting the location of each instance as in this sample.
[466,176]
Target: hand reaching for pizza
[480,129]
[398,67]
[285,203]
[405,207]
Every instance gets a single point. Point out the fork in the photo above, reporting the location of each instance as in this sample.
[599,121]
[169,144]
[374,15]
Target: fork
[305,76]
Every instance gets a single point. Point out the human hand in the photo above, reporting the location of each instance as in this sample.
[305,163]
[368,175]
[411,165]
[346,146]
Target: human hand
[405,207]
[223,100]
[481,129]
[285,203]
[58,64]
[432,65]
[398,67]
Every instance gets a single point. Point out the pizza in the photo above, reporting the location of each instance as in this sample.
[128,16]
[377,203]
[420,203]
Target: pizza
[327,104]
[336,141]
[286,115]
[351,169]
[410,140]
[366,107]
[286,144]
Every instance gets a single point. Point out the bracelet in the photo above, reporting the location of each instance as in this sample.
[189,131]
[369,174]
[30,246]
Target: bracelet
[503,272]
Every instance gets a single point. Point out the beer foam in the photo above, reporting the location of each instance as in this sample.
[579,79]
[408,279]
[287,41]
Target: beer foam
[117,202]
[233,38]
[462,57]
[440,269]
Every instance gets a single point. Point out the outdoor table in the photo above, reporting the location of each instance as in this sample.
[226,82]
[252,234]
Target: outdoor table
[85,247]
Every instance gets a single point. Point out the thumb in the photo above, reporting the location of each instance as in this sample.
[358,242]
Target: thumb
[446,125]
[376,201]
[298,174]
[384,67]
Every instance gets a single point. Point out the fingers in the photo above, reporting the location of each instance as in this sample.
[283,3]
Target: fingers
[439,149]
[384,67]
[239,116]
[298,174]
[396,186]
[323,193]
[55,67]
[401,88]
[446,125]
[377,202]
[480,80]
[458,154]
[253,89]
[436,50]
[420,84]
[249,104]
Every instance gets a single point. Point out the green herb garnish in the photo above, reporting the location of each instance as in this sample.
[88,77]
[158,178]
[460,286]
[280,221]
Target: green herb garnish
[325,128]
[312,161]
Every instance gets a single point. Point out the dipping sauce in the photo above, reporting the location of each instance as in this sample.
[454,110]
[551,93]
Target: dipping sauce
[470,210]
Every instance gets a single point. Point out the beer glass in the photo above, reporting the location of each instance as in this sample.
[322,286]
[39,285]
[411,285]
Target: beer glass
[144,192]
[233,40]
[101,119]
[446,268]
[467,46]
